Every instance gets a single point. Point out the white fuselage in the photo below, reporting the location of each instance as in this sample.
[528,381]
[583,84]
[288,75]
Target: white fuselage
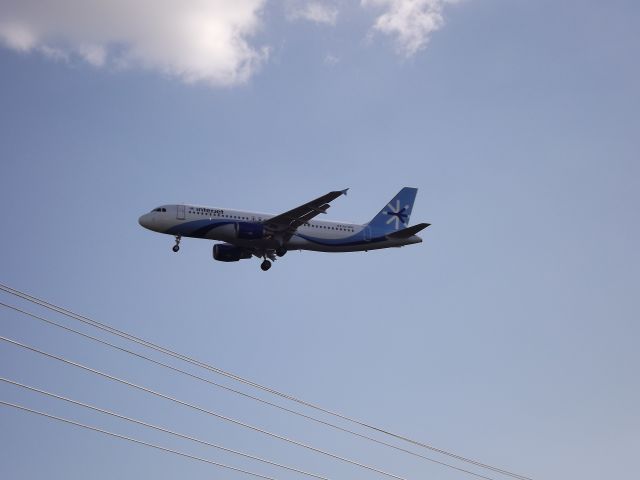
[214,223]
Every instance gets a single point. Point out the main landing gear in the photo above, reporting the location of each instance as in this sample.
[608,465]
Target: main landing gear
[281,252]
[176,247]
[268,257]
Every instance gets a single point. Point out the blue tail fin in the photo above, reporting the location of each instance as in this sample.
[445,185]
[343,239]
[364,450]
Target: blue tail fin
[395,215]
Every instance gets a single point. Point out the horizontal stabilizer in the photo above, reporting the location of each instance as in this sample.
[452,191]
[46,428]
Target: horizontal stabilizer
[408,232]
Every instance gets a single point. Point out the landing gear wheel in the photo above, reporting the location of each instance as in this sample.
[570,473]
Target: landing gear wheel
[176,247]
[265,265]
[281,252]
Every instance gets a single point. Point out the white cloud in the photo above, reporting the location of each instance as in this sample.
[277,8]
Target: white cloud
[312,11]
[94,54]
[331,60]
[53,53]
[411,22]
[195,40]
[17,36]
[208,41]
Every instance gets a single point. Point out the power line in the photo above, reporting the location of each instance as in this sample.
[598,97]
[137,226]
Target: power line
[161,429]
[204,410]
[134,440]
[156,362]
[185,358]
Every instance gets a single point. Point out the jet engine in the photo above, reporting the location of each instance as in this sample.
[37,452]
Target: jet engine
[224,252]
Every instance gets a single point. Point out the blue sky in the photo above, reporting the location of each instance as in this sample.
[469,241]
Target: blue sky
[508,335]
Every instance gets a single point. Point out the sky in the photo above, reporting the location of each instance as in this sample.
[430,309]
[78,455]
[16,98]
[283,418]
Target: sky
[510,335]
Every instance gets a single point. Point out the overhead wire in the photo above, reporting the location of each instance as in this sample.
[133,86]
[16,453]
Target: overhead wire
[204,410]
[158,428]
[217,370]
[210,382]
[134,440]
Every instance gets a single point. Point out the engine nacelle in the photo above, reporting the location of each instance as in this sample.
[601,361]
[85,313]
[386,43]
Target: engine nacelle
[249,231]
[224,252]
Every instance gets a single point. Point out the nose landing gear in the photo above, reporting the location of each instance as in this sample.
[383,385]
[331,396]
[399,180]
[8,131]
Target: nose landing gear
[265,265]
[176,247]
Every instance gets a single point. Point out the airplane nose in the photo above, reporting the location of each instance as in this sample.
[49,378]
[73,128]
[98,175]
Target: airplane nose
[144,220]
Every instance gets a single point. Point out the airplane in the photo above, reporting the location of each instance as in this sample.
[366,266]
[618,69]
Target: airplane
[246,234]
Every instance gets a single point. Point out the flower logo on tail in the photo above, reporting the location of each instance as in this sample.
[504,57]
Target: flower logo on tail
[397,214]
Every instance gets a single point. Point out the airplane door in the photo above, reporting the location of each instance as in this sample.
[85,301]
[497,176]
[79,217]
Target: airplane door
[367,234]
[180,212]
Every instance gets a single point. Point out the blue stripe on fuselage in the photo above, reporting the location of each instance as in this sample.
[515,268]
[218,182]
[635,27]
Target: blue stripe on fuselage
[197,228]
[357,239]
[201,228]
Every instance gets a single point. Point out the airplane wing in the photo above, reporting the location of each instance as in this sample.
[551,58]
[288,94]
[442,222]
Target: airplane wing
[287,222]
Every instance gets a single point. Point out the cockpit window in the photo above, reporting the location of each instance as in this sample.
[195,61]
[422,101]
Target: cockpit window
[158,210]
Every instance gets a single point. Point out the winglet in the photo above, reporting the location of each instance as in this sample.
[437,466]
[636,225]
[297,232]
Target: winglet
[344,192]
